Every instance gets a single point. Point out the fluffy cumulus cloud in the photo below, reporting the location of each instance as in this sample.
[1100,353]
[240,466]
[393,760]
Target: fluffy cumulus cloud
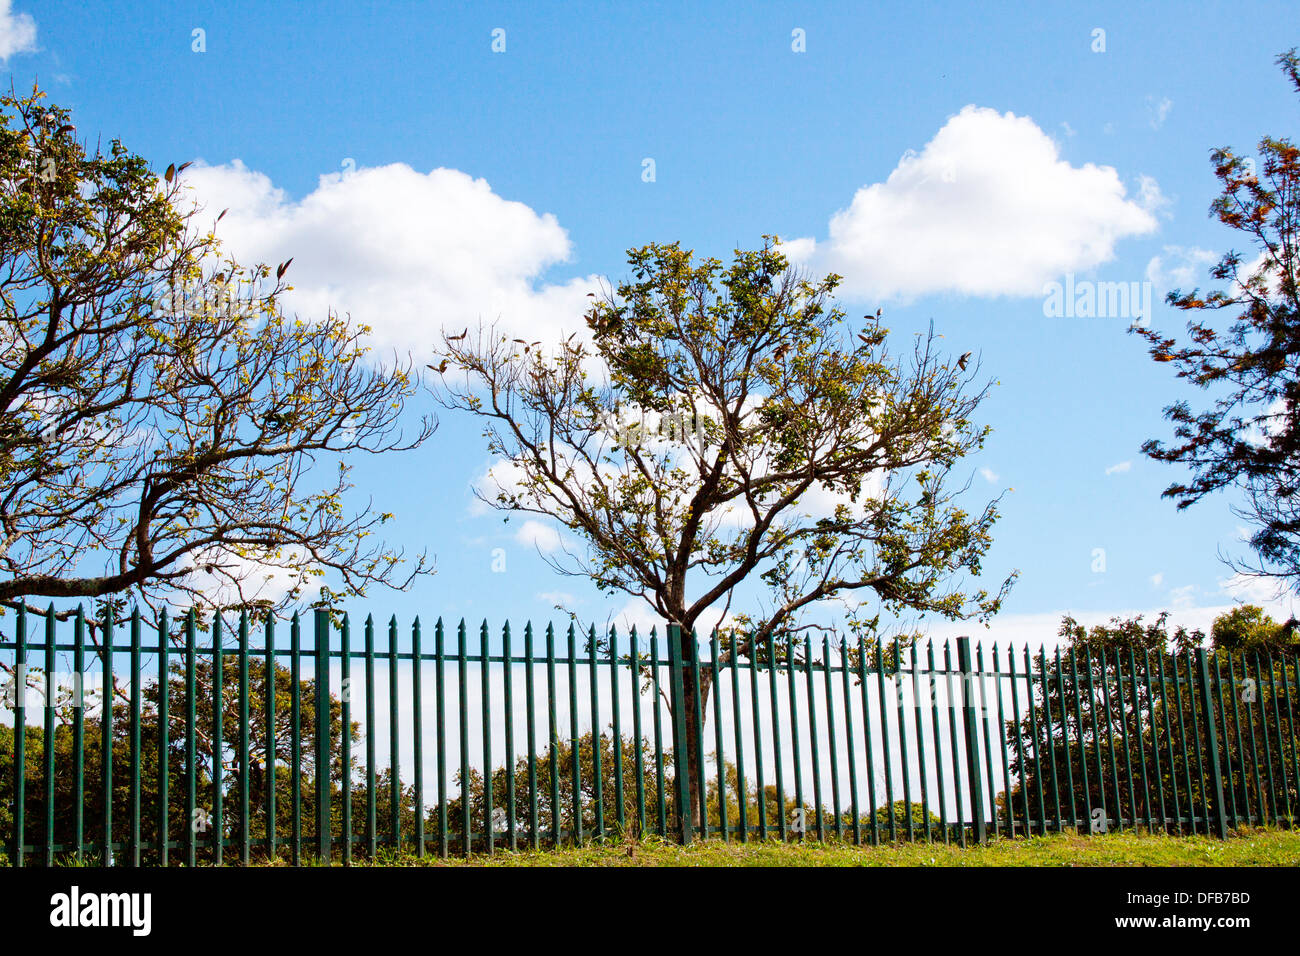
[404,252]
[1180,267]
[988,207]
[17,31]
[536,534]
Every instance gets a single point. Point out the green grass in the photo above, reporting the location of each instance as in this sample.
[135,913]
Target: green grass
[1244,848]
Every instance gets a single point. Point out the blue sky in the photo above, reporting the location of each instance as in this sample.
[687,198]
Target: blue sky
[321,127]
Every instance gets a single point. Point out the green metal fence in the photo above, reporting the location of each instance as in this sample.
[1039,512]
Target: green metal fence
[261,741]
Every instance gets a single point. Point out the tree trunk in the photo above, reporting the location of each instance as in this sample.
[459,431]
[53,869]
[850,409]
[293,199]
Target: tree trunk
[697,788]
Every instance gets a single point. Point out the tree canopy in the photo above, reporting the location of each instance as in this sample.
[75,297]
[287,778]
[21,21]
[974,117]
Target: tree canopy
[159,412]
[1249,438]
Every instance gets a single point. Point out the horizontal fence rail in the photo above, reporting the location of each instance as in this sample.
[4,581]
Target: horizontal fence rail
[214,741]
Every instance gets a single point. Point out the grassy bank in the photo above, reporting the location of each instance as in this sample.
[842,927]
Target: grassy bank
[1244,848]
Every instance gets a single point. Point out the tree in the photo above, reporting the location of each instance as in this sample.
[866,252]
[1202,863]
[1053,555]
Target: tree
[1250,437]
[687,446]
[1247,628]
[1132,724]
[159,413]
[262,751]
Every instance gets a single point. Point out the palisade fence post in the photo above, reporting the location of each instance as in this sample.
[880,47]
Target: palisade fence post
[678,703]
[106,738]
[20,735]
[971,725]
[322,682]
[1207,710]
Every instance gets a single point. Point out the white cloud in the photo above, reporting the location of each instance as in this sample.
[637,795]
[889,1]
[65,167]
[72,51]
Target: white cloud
[1157,579]
[989,474]
[1183,597]
[1120,468]
[1179,267]
[404,252]
[535,534]
[17,31]
[561,598]
[1252,589]
[1158,110]
[988,207]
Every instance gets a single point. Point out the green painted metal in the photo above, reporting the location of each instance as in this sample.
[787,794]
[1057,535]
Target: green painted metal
[295,738]
[106,736]
[696,717]
[619,796]
[953,722]
[1155,741]
[1086,823]
[1141,747]
[218,742]
[1124,735]
[1291,725]
[832,749]
[79,735]
[1169,738]
[1051,751]
[902,741]
[345,741]
[1110,739]
[575,781]
[1225,755]
[440,712]
[508,693]
[661,802]
[884,738]
[271,738]
[47,741]
[682,797]
[191,757]
[1271,817]
[1002,738]
[321,682]
[776,738]
[717,733]
[848,741]
[553,738]
[1212,733]
[938,739]
[530,705]
[966,666]
[485,673]
[164,739]
[1276,724]
[394,740]
[18,849]
[1192,689]
[1241,751]
[1254,748]
[1134,712]
[757,718]
[988,742]
[742,797]
[598,796]
[1020,738]
[1182,734]
[245,841]
[372,804]
[417,733]
[866,734]
[635,675]
[813,739]
[133,731]
[462,701]
[1065,736]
